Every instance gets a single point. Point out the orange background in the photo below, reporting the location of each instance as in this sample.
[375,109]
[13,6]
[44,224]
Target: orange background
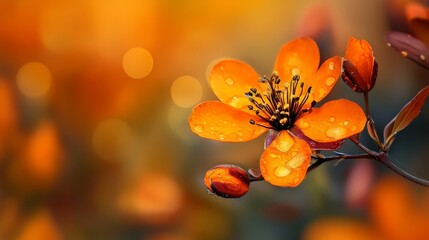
[94,101]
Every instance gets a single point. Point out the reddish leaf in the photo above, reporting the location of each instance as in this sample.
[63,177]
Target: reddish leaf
[407,114]
[409,47]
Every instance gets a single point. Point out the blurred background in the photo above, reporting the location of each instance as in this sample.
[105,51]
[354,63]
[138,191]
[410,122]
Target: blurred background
[94,141]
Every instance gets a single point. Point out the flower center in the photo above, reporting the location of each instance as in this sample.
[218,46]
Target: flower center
[279,106]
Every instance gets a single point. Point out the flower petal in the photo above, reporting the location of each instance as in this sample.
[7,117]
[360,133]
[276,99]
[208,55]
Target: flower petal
[325,78]
[335,120]
[284,163]
[221,122]
[359,52]
[300,56]
[231,79]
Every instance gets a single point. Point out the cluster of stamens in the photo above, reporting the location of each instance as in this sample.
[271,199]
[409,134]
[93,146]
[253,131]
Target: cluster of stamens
[279,106]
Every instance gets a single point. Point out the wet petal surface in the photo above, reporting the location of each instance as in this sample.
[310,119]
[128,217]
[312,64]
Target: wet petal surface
[333,121]
[231,79]
[219,121]
[298,57]
[285,161]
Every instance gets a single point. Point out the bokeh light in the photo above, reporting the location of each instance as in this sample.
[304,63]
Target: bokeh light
[137,63]
[111,139]
[33,79]
[186,91]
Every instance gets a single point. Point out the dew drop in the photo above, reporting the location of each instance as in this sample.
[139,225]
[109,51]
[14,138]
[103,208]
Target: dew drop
[389,44]
[422,57]
[221,137]
[331,66]
[296,162]
[240,133]
[283,146]
[346,123]
[222,68]
[332,119]
[354,128]
[295,71]
[404,53]
[305,125]
[199,128]
[225,122]
[330,81]
[336,132]
[237,102]
[229,81]
[322,92]
[281,171]
[294,154]
[273,155]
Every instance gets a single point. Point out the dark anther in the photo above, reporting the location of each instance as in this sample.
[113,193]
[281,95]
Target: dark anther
[253,90]
[248,94]
[251,121]
[250,107]
[313,103]
[302,84]
[309,89]
[295,78]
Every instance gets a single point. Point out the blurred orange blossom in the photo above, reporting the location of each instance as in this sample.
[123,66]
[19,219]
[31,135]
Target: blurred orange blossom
[396,212]
[249,107]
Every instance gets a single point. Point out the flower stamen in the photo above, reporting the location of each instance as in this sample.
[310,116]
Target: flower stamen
[279,106]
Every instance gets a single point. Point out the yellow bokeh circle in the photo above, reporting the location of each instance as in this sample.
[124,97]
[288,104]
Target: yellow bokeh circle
[186,91]
[33,79]
[137,63]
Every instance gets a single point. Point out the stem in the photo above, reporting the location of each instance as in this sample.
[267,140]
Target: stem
[361,146]
[365,96]
[383,158]
[320,161]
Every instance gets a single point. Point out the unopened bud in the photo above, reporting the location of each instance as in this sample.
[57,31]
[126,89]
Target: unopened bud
[228,181]
[359,67]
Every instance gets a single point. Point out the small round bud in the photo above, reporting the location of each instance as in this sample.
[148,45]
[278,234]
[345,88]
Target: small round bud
[359,66]
[228,181]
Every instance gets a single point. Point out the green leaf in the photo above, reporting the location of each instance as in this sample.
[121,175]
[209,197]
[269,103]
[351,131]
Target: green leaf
[407,114]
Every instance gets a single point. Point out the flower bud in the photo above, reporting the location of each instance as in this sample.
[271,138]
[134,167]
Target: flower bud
[359,66]
[228,181]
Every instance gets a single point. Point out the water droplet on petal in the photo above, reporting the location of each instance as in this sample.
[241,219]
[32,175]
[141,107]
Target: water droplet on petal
[294,153]
[281,171]
[304,125]
[404,53]
[238,102]
[336,132]
[221,137]
[225,122]
[199,128]
[353,128]
[422,57]
[295,71]
[296,162]
[332,119]
[331,66]
[283,146]
[222,68]
[346,123]
[240,133]
[330,81]
[273,155]
[322,92]
[229,81]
